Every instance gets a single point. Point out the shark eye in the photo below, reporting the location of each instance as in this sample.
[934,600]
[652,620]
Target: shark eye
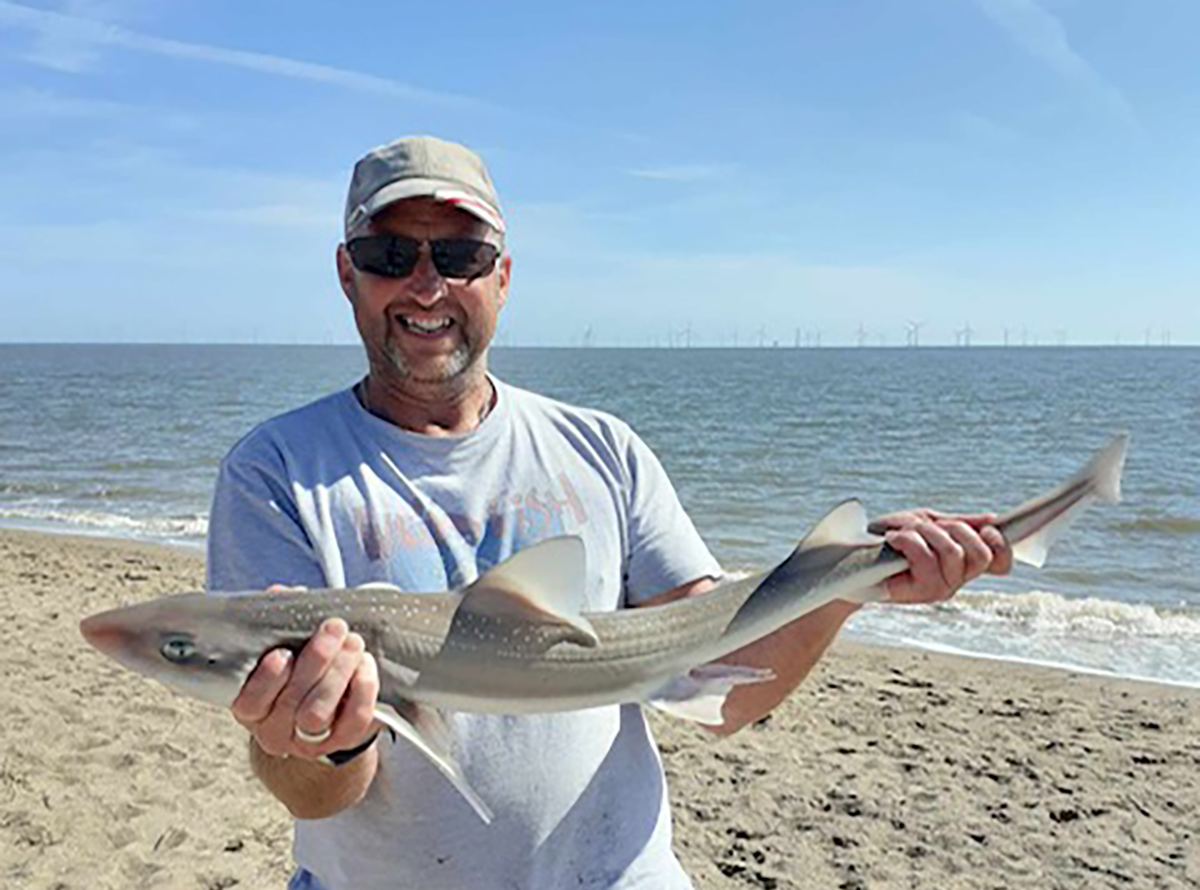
[178,649]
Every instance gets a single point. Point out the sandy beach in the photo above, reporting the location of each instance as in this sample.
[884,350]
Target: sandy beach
[888,769]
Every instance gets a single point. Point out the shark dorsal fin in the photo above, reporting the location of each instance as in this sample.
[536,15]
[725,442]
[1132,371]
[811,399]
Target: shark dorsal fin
[844,525]
[542,584]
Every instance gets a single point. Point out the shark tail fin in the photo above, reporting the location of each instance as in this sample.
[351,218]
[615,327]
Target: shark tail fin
[1035,525]
[1106,468]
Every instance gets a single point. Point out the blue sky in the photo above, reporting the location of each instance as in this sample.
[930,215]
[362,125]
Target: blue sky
[749,172]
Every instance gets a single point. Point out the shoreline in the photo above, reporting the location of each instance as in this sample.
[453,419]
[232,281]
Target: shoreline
[887,769]
[51,530]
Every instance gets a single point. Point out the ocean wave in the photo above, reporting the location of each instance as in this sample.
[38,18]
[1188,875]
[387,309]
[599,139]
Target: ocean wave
[103,491]
[1047,613]
[1170,525]
[139,463]
[166,527]
[29,488]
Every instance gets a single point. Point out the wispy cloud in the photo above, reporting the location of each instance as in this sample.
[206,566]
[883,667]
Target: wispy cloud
[684,172]
[72,39]
[1042,35]
[1039,33]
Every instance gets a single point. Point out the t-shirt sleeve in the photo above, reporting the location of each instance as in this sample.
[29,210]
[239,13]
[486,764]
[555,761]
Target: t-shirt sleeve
[665,550]
[255,535]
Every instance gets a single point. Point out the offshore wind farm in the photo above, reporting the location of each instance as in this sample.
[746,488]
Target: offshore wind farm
[911,335]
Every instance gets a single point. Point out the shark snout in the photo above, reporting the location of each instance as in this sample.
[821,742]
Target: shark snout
[105,634]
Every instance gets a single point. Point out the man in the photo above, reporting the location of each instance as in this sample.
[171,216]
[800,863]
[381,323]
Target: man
[424,475]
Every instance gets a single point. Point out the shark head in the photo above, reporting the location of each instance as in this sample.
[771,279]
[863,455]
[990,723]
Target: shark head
[189,643]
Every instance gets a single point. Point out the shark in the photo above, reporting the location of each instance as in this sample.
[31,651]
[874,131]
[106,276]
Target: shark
[519,640]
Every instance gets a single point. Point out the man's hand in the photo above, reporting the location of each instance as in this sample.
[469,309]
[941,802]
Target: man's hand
[331,685]
[944,552]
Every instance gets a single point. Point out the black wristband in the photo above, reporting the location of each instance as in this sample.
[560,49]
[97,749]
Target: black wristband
[337,758]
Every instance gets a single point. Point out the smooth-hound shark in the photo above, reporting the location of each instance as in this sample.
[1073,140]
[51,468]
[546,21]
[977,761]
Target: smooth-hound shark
[517,640]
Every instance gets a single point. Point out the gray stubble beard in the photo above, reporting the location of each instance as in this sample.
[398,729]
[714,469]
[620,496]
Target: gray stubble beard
[456,363]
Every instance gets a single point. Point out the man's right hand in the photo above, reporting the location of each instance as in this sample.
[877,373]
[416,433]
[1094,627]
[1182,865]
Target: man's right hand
[333,684]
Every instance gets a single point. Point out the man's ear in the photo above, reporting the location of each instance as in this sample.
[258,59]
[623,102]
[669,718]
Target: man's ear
[503,274]
[345,272]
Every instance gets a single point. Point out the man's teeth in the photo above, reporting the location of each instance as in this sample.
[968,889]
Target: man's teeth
[426,327]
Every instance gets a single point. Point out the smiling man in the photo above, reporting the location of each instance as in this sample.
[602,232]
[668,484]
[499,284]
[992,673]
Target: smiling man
[427,473]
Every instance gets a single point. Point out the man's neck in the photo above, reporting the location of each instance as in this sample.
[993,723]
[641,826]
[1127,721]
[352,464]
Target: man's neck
[435,409]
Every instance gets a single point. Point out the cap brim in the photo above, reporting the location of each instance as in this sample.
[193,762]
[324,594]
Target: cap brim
[439,190]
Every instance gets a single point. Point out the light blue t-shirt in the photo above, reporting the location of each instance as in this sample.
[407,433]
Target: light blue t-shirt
[330,496]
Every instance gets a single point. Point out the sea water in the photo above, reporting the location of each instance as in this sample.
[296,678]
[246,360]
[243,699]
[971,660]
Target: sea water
[125,440]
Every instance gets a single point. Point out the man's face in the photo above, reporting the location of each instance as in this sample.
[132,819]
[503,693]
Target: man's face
[425,328]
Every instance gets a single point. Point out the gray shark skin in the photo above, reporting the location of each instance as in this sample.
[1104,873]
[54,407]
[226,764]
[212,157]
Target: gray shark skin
[518,641]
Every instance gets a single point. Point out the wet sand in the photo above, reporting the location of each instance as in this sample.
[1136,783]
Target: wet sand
[887,769]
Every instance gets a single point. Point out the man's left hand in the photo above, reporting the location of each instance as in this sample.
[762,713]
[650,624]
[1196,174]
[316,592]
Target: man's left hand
[944,552]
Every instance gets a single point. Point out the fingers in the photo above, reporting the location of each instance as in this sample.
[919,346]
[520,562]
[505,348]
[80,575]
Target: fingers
[1002,555]
[356,717]
[944,552]
[262,687]
[342,701]
[935,564]
[329,690]
[976,555]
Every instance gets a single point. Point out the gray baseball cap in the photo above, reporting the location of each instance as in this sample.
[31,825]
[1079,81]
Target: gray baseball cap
[421,167]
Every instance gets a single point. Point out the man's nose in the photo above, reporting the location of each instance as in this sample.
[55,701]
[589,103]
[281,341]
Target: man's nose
[426,284]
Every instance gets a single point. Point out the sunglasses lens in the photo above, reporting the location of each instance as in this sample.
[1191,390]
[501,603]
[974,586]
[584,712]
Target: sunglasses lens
[388,255]
[394,256]
[463,257]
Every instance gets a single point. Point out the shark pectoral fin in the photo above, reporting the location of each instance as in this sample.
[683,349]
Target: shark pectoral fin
[699,695]
[426,730]
[394,677]
[423,727]
[543,584]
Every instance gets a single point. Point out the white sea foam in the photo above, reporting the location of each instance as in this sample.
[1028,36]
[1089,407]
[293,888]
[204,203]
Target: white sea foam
[170,528]
[1090,634]
[1047,613]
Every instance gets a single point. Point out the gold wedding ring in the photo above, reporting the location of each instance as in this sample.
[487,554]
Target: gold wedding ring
[313,738]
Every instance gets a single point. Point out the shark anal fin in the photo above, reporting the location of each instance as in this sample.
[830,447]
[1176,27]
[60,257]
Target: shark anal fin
[699,695]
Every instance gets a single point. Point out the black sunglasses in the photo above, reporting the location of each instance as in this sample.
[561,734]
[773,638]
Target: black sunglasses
[395,256]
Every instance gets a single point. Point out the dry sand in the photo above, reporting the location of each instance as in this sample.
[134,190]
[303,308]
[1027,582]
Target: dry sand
[887,769]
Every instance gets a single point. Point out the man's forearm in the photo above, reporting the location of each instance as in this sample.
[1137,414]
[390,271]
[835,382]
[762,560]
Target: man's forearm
[312,790]
[790,653]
